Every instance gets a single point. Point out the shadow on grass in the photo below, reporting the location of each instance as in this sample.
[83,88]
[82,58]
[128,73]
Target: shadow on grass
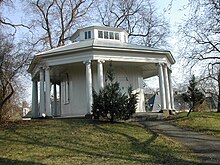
[147,147]
[5,161]
[160,154]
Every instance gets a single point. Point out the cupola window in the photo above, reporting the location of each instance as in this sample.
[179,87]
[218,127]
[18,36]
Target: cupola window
[117,36]
[111,35]
[108,35]
[105,35]
[100,34]
[87,34]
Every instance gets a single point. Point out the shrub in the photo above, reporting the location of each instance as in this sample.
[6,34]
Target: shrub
[111,104]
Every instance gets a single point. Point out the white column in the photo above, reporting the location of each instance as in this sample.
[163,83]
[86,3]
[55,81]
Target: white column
[171,90]
[167,88]
[141,95]
[47,93]
[89,86]
[35,112]
[42,98]
[100,74]
[59,109]
[55,99]
[162,88]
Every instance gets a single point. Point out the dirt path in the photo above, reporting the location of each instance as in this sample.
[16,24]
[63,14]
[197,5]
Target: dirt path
[205,146]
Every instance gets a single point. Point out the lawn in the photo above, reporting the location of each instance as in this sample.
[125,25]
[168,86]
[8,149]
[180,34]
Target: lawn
[206,122]
[80,141]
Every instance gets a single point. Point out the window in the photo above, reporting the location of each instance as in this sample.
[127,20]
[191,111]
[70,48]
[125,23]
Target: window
[87,35]
[106,35]
[100,34]
[66,90]
[111,35]
[117,36]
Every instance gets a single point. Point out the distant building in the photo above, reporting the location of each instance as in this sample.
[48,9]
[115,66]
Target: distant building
[26,112]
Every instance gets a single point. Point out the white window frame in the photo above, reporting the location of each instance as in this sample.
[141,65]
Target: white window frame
[66,91]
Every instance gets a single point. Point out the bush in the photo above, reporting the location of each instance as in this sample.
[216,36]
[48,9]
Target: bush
[111,104]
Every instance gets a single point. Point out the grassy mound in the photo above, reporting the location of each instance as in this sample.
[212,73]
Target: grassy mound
[77,141]
[206,122]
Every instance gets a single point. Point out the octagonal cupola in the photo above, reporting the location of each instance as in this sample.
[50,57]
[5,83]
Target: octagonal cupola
[104,33]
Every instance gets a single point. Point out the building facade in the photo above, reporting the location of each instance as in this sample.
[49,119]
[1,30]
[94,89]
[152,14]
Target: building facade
[63,78]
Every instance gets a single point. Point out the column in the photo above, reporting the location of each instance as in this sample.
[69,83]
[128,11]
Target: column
[100,74]
[89,86]
[59,110]
[167,87]
[47,92]
[162,88]
[42,98]
[55,99]
[35,112]
[171,90]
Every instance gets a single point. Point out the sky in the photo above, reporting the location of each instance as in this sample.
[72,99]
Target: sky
[174,16]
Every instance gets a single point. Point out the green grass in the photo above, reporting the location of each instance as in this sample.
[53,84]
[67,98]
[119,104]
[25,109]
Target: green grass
[206,122]
[77,141]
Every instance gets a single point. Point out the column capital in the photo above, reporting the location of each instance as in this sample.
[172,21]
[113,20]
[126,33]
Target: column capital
[161,64]
[34,79]
[165,65]
[87,62]
[47,67]
[41,68]
[101,61]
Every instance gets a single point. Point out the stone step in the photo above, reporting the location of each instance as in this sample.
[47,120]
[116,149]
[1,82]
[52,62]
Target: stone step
[148,116]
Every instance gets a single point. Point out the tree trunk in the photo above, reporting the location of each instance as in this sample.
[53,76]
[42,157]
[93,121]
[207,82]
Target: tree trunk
[218,109]
[189,111]
[4,100]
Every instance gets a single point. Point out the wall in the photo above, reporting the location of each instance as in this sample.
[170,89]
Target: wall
[77,95]
[130,76]
[125,75]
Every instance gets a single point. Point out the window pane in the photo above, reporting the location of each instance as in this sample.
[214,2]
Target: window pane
[111,35]
[86,35]
[100,34]
[106,35]
[66,89]
[89,34]
[117,36]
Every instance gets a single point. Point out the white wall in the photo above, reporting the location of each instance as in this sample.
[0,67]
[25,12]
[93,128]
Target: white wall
[125,75]
[77,99]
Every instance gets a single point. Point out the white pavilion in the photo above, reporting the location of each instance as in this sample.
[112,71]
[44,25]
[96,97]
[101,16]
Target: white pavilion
[63,78]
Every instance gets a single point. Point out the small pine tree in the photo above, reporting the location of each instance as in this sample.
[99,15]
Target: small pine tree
[193,96]
[111,104]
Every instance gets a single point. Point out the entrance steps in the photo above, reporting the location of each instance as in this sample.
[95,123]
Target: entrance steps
[147,116]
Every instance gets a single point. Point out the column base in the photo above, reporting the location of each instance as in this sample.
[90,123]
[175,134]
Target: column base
[167,112]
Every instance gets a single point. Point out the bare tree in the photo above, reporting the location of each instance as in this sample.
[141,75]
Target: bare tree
[201,35]
[139,18]
[12,61]
[52,22]
[4,21]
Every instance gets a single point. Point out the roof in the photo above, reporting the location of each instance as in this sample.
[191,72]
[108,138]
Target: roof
[99,44]
[93,43]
